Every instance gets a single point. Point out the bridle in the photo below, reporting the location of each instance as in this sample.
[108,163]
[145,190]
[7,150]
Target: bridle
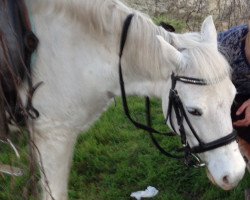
[175,105]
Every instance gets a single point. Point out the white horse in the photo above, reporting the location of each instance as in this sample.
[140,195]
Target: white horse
[77,60]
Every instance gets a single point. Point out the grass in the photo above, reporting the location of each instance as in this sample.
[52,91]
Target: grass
[114,159]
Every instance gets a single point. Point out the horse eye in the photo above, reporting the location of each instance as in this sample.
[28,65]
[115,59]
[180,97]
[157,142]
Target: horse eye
[194,111]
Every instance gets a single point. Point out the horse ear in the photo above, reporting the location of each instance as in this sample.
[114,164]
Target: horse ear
[170,53]
[208,30]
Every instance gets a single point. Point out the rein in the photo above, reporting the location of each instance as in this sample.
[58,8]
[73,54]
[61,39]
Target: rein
[175,103]
[123,92]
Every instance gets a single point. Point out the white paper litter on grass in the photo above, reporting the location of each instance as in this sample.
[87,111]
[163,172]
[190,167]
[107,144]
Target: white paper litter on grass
[148,193]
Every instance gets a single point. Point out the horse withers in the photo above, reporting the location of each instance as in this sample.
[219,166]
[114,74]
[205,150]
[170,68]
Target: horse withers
[78,58]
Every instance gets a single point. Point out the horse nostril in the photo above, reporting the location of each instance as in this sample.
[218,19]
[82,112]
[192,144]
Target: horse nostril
[225,180]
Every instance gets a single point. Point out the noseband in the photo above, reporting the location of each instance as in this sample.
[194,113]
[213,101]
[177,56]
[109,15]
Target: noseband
[175,105]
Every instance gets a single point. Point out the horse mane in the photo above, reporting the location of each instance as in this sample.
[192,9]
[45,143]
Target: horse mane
[105,18]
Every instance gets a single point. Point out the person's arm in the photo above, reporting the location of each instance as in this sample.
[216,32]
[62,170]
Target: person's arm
[244,108]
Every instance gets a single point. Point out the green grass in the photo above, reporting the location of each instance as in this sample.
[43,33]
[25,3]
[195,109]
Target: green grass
[114,159]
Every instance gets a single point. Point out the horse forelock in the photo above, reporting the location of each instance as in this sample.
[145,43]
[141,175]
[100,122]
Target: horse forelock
[201,57]
[205,61]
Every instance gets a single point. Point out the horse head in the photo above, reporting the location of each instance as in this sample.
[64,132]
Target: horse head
[206,103]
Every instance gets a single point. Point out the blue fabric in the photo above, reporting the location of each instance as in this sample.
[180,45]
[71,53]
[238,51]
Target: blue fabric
[231,45]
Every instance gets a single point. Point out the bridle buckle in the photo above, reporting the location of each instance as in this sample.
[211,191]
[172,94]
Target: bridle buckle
[191,160]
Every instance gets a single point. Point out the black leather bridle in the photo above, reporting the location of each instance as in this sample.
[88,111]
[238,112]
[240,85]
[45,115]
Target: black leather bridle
[175,105]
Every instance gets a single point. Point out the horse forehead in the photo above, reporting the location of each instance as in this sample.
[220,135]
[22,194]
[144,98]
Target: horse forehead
[223,90]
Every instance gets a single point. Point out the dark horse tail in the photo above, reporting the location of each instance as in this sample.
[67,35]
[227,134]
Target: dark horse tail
[17,43]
